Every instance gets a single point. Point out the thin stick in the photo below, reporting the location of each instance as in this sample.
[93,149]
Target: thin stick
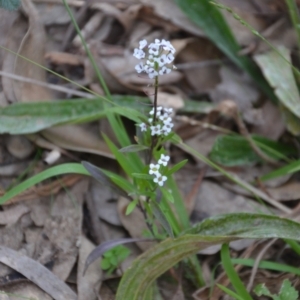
[48,85]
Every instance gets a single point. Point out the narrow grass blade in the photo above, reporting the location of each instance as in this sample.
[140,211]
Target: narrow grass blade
[54,171]
[232,275]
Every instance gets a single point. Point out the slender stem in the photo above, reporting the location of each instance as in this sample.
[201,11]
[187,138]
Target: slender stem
[155,98]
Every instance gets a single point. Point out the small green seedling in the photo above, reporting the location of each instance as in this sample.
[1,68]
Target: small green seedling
[287,291]
[113,258]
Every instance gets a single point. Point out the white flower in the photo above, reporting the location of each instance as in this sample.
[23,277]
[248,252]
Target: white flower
[169,58]
[167,128]
[154,169]
[168,111]
[139,68]
[159,179]
[152,73]
[150,120]
[155,130]
[143,127]
[150,63]
[164,70]
[158,111]
[157,56]
[165,118]
[161,60]
[167,46]
[164,160]
[143,44]
[138,53]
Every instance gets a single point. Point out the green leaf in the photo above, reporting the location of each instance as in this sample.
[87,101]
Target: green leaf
[288,169]
[262,290]
[23,118]
[280,76]
[232,274]
[133,148]
[167,195]
[287,291]
[235,150]
[222,229]
[105,264]
[176,167]
[142,176]
[131,206]
[209,18]
[54,171]
[10,4]
[229,292]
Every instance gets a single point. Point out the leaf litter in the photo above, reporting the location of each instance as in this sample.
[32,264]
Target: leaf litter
[49,222]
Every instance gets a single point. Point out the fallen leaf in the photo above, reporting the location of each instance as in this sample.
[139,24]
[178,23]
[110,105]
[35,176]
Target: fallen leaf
[89,284]
[12,214]
[36,273]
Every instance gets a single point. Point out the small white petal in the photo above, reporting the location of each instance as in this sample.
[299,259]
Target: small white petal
[143,126]
[138,53]
[139,68]
[143,44]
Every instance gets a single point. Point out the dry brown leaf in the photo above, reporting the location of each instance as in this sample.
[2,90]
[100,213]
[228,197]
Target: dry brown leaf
[60,58]
[200,50]
[49,189]
[168,10]
[37,273]
[27,289]
[89,284]
[271,123]
[63,230]
[33,48]
[236,86]
[286,192]
[134,223]
[12,214]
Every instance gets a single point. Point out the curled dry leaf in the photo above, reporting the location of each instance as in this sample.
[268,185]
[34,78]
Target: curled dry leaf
[36,273]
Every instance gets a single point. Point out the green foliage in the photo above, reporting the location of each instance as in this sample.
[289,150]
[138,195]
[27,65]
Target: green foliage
[209,18]
[232,274]
[10,4]
[235,150]
[221,229]
[113,258]
[287,291]
[280,76]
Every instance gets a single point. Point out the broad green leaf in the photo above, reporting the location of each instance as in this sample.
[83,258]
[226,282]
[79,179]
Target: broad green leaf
[25,118]
[133,148]
[221,229]
[280,76]
[235,150]
[10,4]
[287,291]
[209,18]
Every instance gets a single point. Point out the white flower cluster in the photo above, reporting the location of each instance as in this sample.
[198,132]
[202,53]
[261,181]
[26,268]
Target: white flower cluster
[158,57]
[163,124]
[154,170]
